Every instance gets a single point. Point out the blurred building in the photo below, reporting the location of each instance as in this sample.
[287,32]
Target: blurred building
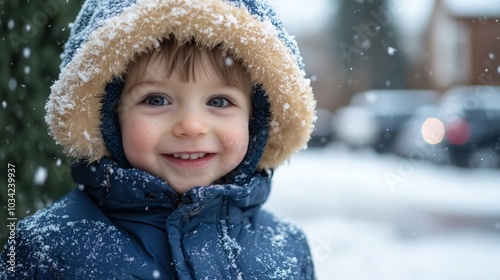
[464,43]
[437,43]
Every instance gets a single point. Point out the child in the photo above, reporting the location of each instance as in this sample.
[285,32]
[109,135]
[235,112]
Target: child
[176,113]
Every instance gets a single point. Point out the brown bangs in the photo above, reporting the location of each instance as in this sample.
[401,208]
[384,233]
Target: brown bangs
[188,56]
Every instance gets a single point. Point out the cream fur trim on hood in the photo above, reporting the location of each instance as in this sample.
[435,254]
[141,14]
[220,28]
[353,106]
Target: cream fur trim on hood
[74,106]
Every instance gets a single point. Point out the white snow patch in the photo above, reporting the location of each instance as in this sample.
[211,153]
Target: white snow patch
[26,52]
[10,24]
[231,246]
[391,50]
[40,176]
[231,20]
[87,135]
[228,61]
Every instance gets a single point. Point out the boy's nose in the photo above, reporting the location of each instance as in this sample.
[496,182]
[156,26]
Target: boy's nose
[190,123]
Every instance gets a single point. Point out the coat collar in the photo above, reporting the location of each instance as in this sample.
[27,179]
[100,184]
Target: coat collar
[116,189]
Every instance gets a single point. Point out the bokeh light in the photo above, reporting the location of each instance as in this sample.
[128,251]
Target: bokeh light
[458,132]
[433,131]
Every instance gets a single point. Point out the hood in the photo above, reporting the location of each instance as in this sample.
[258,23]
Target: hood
[108,34]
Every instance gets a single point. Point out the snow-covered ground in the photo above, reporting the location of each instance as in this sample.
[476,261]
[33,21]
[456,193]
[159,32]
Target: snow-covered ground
[382,217]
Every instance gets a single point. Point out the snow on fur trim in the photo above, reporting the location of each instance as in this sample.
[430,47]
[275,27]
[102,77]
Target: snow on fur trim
[73,108]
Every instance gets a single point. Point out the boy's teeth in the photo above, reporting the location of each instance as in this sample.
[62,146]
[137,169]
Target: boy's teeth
[190,156]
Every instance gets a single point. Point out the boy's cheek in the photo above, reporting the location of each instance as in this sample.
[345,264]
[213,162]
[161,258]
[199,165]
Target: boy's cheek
[140,133]
[239,124]
[237,137]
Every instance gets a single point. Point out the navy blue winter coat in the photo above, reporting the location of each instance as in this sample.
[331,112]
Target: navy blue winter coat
[127,224]
[124,223]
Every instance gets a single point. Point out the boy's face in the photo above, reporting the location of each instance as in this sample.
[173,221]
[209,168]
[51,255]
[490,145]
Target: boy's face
[188,133]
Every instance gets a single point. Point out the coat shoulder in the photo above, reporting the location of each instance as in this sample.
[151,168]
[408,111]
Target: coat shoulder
[65,239]
[73,212]
[279,227]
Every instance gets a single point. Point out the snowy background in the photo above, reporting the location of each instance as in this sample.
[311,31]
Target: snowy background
[383,217]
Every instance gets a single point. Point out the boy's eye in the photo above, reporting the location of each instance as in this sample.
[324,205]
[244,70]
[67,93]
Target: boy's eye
[156,100]
[218,102]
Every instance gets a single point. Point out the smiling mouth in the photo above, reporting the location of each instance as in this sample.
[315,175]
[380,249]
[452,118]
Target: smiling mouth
[189,156]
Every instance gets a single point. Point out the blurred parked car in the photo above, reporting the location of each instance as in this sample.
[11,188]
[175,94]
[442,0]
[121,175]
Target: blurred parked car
[374,118]
[355,126]
[462,129]
[471,115]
